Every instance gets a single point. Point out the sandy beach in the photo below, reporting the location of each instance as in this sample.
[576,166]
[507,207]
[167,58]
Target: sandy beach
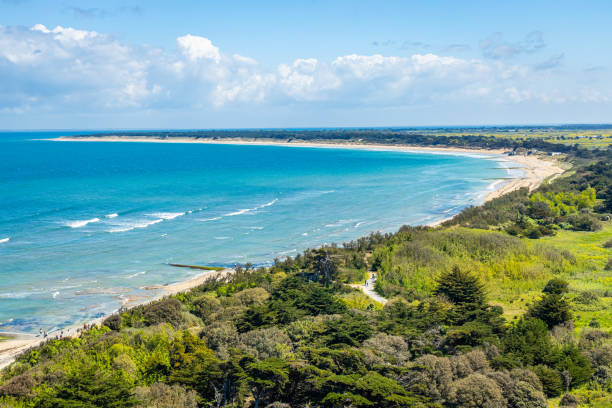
[17,343]
[536,168]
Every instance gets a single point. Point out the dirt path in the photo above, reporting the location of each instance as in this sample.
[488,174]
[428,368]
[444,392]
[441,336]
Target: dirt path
[368,289]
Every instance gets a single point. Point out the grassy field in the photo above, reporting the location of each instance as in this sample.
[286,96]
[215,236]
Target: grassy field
[589,138]
[586,275]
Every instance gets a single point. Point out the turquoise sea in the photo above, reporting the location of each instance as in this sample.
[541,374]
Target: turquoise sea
[85,226]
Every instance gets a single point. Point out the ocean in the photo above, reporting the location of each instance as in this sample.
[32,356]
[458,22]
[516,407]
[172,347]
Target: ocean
[85,226]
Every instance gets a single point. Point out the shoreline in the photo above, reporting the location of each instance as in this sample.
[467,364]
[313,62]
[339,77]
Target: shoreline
[535,170]
[18,343]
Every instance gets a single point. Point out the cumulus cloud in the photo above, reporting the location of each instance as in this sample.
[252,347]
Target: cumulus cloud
[64,69]
[195,47]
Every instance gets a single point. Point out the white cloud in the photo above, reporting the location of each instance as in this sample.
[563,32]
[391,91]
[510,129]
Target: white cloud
[196,47]
[64,69]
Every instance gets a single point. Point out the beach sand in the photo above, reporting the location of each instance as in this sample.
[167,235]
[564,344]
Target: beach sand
[537,169]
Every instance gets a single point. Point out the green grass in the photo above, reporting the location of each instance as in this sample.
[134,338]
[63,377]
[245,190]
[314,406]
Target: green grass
[587,275]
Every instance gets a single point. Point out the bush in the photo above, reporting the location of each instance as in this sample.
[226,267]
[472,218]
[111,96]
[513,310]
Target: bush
[608,266]
[587,298]
[594,323]
[551,309]
[569,400]
[113,322]
[393,348]
[160,395]
[19,386]
[584,222]
[167,310]
[556,286]
[476,391]
[204,306]
[522,394]
[265,343]
[434,373]
[552,384]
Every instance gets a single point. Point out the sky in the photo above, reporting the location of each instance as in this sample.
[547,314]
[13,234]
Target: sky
[188,64]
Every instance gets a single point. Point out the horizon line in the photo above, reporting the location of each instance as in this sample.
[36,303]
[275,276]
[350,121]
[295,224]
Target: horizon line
[306,128]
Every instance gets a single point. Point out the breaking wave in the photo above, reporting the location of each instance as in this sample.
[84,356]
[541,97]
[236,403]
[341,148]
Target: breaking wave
[81,223]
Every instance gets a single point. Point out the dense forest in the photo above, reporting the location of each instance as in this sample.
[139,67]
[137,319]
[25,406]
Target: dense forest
[498,307]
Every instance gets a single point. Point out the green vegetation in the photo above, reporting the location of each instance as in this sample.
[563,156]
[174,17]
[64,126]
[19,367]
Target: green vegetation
[482,312]
[560,139]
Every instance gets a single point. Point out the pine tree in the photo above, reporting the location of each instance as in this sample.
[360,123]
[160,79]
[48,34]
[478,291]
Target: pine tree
[461,288]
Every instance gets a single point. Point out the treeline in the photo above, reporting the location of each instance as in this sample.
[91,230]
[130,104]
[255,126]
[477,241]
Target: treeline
[373,136]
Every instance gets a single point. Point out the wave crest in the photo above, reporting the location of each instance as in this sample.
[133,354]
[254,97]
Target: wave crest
[81,223]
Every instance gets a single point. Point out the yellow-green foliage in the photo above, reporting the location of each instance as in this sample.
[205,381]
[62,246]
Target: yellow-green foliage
[590,275]
[359,300]
[566,203]
[508,265]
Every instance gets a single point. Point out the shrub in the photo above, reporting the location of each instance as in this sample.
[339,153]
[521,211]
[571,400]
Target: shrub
[603,375]
[204,306]
[551,309]
[594,323]
[608,266]
[584,222]
[254,296]
[113,322]
[569,400]
[552,384]
[476,391]
[587,298]
[394,348]
[265,343]
[556,286]
[160,395]
[432,372]
[522,394]
[19,386]
[167,310]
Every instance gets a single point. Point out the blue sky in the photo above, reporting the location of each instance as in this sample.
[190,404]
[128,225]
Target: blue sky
[211,64]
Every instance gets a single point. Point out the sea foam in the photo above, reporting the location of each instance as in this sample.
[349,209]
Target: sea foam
[247,210]
[166,215]
[81,223]
[138,224]
[3,240]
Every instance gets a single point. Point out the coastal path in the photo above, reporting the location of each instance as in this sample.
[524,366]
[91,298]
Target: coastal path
[368,288]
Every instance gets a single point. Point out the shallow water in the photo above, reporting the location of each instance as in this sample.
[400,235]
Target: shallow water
[83,226]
